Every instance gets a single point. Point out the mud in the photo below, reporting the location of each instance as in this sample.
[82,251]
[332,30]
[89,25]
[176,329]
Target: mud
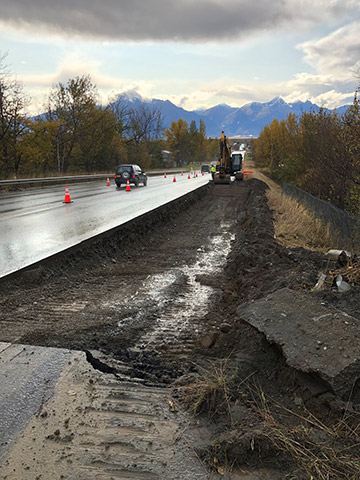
[103,428]
[159,302]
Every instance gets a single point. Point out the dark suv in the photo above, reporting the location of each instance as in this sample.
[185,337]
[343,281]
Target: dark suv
[205,168]
[133,173]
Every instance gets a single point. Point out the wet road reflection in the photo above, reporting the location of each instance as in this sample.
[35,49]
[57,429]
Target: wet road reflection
[36,223]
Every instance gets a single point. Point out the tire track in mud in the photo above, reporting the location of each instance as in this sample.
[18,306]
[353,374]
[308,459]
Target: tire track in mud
[97,427]
[179,316]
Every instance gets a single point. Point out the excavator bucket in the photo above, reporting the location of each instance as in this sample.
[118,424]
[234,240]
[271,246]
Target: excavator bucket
[222,175]
[222,178]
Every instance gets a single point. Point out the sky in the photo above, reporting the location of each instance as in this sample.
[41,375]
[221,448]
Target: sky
[195,53]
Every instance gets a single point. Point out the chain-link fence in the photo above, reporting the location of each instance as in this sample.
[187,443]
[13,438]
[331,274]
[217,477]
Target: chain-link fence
[345,224]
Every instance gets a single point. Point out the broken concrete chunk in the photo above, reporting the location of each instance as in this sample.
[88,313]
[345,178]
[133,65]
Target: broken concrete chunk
[336,254]
[336,362]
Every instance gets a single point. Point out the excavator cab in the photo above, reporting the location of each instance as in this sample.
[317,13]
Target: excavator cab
[237,165]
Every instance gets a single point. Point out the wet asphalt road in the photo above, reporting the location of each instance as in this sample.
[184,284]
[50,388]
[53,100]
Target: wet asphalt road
[35,224]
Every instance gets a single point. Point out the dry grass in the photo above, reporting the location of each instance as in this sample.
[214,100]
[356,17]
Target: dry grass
[295,226]
[319,450]
[350,273]
[324,452]
[211,390]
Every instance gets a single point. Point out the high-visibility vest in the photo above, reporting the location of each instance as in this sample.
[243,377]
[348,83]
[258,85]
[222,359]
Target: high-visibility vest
[213,169]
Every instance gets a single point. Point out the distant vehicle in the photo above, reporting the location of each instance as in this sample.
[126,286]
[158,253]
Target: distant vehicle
[205,168]
[133,173]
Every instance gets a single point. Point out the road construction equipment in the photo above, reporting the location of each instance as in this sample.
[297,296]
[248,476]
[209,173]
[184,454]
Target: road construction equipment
[223,167]
[237,158]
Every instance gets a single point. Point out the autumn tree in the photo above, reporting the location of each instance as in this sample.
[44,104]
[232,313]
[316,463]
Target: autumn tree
[193,141]
[319,152]
[84,129]
[262,148]
[350,154]
[178,140]
[138,127]
[320,159]
[13,121]
[38,149]
[292,153]
[203,144]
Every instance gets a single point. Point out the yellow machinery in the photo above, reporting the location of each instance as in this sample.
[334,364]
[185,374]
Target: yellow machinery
[223,167]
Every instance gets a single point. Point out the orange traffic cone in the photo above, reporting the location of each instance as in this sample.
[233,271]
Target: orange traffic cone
[182,174]
[128,189]
[189,176]
[174,179]
[67,195]
[202,173]
[107,182]
[164,175]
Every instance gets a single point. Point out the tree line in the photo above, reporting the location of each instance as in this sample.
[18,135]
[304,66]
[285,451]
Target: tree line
[75,134]
[318,151]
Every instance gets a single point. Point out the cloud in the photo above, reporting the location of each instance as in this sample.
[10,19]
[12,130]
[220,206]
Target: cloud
[328,89]
[332,99]
[208,95]
[74,64]
[323,90]
[337,54]
[329,99]
[158,20]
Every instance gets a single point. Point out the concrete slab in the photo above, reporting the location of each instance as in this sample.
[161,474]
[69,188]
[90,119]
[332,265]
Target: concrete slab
[28,375]
[313,338]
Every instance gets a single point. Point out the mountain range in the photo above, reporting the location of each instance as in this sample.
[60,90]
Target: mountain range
[246,121]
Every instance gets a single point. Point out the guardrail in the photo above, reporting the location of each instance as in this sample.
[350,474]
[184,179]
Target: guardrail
[74,178]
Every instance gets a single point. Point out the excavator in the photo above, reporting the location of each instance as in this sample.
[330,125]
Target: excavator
[223,167]
[228,163]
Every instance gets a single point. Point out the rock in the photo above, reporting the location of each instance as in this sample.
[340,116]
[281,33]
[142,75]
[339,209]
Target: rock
[185,379]
[225,327]
[208,340]
[306,320]
[338,255]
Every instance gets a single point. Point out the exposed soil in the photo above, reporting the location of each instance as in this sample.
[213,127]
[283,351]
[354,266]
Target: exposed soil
[159,301]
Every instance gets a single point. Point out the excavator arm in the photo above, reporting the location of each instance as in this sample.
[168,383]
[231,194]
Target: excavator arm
[223,167]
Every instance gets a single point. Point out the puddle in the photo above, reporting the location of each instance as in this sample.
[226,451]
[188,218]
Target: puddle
[173,302]
[179,298]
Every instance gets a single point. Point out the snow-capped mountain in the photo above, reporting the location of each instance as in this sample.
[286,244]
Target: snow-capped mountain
[247,120]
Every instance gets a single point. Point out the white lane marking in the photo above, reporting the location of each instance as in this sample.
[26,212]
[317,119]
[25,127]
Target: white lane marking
[25,213]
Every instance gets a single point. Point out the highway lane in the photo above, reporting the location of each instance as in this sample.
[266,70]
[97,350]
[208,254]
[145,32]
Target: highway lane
[35,224]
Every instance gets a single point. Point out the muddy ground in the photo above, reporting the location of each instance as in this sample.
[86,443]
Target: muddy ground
[161,302]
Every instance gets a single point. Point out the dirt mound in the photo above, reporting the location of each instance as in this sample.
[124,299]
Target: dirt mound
[269,397]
